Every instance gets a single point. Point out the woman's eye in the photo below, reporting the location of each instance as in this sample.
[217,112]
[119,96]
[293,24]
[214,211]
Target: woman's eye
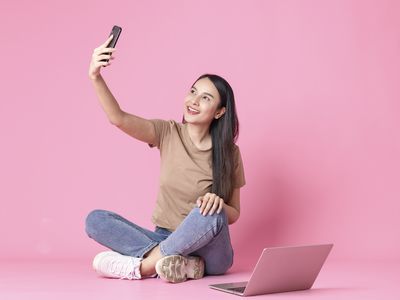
[208,99]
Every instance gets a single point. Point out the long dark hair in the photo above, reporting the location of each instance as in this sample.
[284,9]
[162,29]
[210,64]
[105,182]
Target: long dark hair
[224,133]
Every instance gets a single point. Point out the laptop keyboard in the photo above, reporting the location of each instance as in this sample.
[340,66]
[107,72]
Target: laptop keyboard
[239,289]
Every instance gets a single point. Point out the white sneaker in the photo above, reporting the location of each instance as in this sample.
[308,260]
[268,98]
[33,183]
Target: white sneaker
[178,268]
[115,265]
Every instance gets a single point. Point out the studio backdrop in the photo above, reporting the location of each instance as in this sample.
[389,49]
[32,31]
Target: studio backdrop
[316,85]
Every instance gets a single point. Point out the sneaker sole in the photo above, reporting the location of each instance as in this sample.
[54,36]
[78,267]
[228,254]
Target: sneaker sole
[169,268]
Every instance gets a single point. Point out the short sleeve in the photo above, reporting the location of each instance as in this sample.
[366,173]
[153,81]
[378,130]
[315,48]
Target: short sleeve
[162,129]
[239,179]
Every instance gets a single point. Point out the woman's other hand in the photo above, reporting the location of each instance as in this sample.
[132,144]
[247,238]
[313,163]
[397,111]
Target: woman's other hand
[100,53]
[210,203]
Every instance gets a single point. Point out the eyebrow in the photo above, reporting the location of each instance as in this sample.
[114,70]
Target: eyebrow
[193,87]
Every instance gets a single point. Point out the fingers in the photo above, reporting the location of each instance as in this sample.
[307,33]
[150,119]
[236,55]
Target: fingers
[105,44]
[104,56]
[107,41]
[103,52]
[102,63]
[204,203]
[101,57]
[100,60]
[106,50]
[209,204]
[100,51]
[215,205]
[198,201]
[221,206]
[105,63]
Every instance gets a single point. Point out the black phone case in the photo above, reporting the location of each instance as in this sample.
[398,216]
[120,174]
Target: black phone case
[115,31]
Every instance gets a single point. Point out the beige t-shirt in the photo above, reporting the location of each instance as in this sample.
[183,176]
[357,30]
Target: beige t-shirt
[185,174]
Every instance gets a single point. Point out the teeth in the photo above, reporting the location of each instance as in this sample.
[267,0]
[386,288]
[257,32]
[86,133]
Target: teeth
[192,109]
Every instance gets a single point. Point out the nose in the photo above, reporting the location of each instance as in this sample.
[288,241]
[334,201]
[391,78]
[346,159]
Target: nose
[195,100]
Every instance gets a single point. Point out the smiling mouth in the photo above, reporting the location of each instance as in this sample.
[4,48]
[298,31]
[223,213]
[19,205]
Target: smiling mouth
[192,111]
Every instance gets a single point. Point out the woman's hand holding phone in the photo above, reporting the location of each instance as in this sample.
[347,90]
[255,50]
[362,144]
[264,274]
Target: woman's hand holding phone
[101,53]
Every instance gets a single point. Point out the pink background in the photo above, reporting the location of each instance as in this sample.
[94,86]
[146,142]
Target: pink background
[317,92]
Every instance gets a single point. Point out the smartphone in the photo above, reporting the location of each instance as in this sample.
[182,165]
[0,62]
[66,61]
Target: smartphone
[115,31]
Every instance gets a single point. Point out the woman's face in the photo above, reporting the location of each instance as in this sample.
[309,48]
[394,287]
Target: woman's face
[204,99]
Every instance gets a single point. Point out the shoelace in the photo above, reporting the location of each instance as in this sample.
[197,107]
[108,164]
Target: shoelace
[127,269]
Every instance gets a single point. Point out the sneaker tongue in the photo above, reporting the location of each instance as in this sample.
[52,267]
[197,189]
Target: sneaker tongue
[120,268]
[132,269]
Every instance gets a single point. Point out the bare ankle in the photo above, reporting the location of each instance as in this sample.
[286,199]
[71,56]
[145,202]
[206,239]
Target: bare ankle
[147,267]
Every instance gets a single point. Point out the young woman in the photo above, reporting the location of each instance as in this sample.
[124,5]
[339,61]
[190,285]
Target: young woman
[199,195]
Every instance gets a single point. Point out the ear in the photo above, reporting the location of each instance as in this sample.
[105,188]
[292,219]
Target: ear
[220,113]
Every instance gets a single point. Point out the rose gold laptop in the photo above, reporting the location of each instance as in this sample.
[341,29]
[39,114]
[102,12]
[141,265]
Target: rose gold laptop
[281,269]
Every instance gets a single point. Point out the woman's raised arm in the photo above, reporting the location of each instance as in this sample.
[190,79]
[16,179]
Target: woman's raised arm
[134,126]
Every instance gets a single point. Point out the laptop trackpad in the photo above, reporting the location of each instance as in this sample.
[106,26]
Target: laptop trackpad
[232,285]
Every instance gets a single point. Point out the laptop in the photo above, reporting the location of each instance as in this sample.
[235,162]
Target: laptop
[281,269]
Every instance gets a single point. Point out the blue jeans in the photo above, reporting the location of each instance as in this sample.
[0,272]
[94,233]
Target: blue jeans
[197,235]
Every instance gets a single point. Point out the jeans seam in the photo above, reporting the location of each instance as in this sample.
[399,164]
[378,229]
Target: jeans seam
[162,250]
[149,247]
[191,244]
[131,224]
[199,238]
[138,228]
